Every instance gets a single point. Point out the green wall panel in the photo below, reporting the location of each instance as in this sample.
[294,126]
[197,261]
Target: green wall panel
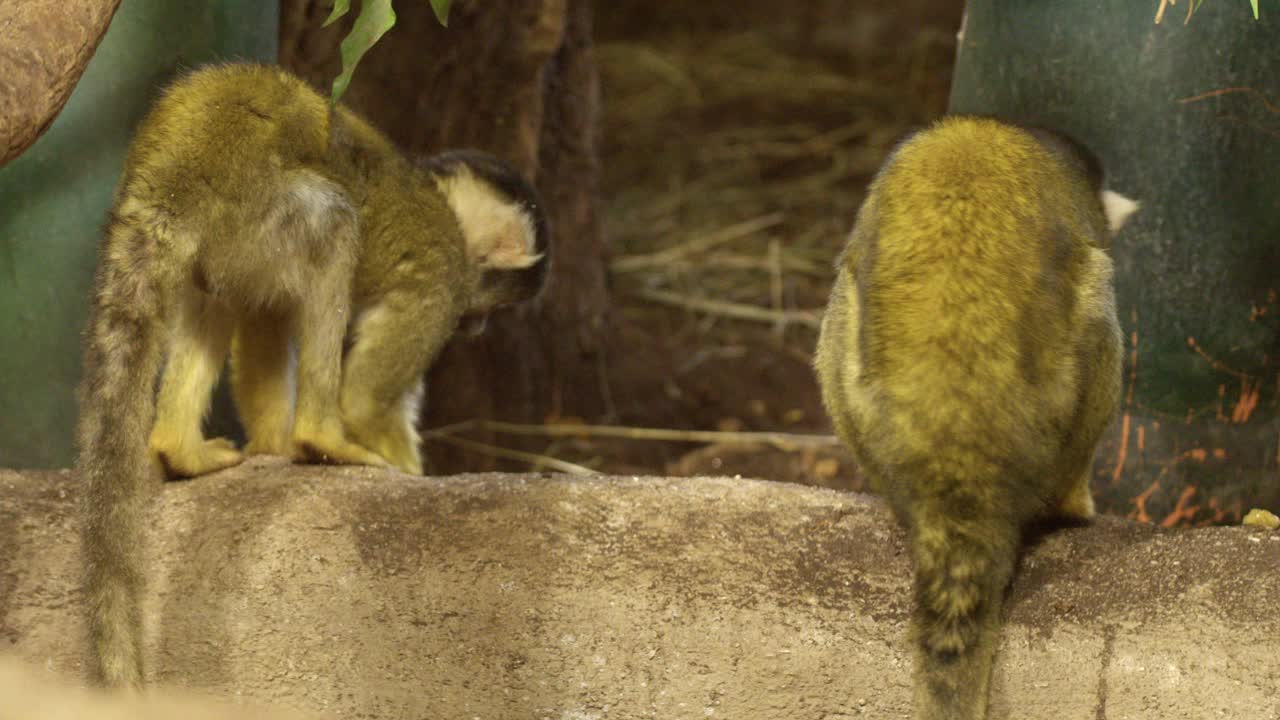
[1186,118]
[54,197]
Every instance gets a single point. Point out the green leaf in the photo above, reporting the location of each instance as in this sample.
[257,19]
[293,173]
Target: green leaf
[375,19]
[1254,3]
[340,8]
[441,7]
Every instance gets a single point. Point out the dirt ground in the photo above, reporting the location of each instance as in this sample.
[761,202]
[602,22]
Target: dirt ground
[736,145]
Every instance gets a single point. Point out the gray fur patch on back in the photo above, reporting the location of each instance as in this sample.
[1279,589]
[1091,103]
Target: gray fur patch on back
[311,209]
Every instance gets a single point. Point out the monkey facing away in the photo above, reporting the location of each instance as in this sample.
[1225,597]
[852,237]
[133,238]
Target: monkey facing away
[251,221]
[970,358]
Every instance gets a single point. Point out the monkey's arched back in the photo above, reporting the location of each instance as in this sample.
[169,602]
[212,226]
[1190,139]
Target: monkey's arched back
[253,222]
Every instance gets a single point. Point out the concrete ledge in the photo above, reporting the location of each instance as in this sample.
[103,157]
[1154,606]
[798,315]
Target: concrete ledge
[360,593]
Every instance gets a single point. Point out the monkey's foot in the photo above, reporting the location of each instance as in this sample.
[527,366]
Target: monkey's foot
[398,447]
[409,463]
[1078,504]
[271,446]
[206,457]
[334,451]
[403,459]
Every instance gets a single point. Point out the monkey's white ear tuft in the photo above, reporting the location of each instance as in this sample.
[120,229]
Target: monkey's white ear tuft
[1118,209]
[499,233]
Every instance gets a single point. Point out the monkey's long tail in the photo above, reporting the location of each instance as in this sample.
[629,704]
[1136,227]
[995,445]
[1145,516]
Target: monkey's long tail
[962,567]
[117,407]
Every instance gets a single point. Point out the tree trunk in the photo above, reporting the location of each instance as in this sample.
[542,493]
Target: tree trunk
[513,77]
[44,48]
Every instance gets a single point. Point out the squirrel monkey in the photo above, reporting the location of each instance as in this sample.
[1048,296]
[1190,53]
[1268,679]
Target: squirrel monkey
[970,357]
[252,221]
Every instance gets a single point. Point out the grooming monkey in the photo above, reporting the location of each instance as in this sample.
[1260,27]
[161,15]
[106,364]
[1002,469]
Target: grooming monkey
[251,220]
[970,358]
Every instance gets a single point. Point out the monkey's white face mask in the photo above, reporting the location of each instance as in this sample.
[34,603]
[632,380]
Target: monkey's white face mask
[499,233]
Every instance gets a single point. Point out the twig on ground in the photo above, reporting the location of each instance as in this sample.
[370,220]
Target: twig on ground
[790,263]
[632,263]
[780,440]
[738,311]
[533,459]
[775,287]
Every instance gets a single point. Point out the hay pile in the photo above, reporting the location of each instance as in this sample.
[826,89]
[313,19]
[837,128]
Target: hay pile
[735,163]
[737,141]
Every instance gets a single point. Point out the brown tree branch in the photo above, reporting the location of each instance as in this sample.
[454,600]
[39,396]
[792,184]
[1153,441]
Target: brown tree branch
[44,48]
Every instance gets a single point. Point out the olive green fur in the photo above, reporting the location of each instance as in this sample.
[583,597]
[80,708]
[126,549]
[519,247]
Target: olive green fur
[970,358]
[251,222]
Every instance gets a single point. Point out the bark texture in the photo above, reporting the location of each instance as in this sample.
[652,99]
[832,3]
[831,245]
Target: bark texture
[369,594]
[514,77]
[44,48]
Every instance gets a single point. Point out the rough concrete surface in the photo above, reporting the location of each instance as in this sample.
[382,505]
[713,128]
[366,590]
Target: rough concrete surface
[367,594]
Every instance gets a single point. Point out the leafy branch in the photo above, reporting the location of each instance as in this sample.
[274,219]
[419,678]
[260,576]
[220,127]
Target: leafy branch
[375,19]
[1192,6]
